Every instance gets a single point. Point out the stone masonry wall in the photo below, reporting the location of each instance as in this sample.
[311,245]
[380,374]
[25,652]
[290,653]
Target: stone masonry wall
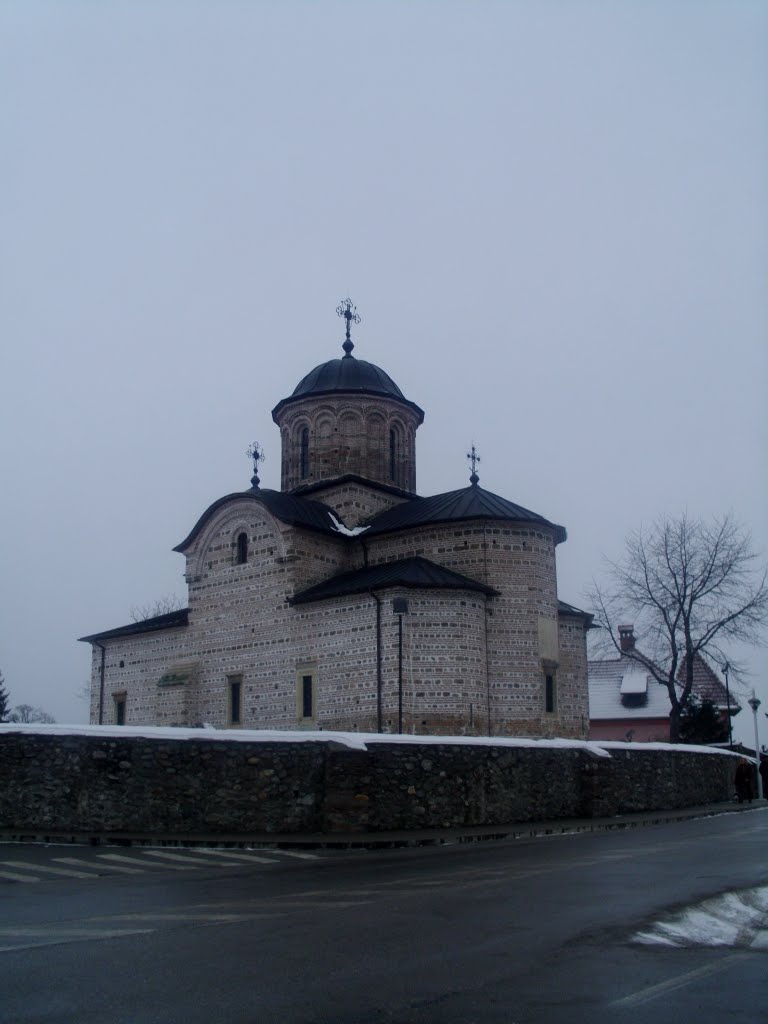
[100,784]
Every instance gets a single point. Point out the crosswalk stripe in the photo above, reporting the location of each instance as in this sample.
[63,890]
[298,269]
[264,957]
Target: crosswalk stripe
[12,876]
[89,864]
[294,853]
[253,858]
[192,861]
[135,865]
[67,872]
[13,940]
[123,860]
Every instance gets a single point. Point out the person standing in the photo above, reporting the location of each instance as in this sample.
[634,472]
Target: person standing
[743,781]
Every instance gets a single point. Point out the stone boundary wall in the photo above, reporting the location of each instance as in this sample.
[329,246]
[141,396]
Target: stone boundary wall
[101,785]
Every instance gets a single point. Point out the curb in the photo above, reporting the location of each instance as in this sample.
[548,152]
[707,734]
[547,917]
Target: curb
[386,840]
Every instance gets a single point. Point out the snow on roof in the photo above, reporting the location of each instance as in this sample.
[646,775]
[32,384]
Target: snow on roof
[609,700]
[634,680]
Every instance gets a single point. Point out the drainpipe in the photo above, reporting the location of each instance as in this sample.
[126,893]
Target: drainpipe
[379,684]
[487,667]
[379,719]
[103,650]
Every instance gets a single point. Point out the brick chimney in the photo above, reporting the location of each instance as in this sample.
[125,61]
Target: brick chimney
[627,638]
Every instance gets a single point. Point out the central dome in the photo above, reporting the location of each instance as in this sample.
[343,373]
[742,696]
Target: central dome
[347,418]
[347,374]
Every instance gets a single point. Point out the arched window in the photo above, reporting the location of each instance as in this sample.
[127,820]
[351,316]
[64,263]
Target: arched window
[242,549]
[304,457]
[393,455]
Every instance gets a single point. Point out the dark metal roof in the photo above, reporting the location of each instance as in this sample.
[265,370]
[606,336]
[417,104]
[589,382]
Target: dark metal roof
[171,620]
[471,502]
[348,375]
[568,609]
[408,572]
[288,508]
[371,485]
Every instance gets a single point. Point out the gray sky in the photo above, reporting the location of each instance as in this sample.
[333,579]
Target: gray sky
[552,218]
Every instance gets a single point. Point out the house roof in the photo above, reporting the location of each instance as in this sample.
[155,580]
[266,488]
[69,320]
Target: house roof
[616,689]
[642,698]
[472,502]
[288,508]
[171,620]
[707,685]
[407,572]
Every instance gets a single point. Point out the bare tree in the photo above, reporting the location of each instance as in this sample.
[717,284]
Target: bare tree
[26,713]
[688,587]
[4,700]
[162,606]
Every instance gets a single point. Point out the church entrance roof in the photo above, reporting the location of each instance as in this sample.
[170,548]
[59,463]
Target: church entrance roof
[170,620]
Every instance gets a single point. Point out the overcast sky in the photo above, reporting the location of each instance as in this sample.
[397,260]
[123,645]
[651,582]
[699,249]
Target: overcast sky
[552,218]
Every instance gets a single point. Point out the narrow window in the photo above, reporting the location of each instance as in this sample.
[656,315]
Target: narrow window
[242,548]
[235,685]
[392,454]
[120,708]
[304,453]
[549,693]
[306,682]
[306,697]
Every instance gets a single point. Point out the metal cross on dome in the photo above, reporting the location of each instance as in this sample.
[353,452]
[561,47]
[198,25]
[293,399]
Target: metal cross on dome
[349,312]
[474,458]
[255,452]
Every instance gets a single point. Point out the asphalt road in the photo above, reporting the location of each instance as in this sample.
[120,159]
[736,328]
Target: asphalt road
[520,931]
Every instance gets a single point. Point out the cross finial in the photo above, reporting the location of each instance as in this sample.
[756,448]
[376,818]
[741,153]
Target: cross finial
[255,452]
[349,312]
[474,458]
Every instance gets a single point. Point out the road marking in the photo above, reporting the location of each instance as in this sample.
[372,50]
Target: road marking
[67,872]
[293,853]
[89,864]
[327,904]
[172,916]
[123,860]
[253,858]
[185,859]
[12,876]
[29,938]
[645,995]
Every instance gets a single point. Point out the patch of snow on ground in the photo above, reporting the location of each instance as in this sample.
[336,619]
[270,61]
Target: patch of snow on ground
[733,919]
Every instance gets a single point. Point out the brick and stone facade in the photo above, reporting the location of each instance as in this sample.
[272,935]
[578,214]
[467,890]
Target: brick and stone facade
[344,601]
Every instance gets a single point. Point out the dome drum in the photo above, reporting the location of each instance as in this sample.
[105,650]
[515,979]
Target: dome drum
[327,437]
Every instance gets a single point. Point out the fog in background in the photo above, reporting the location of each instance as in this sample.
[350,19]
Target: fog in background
[552,218]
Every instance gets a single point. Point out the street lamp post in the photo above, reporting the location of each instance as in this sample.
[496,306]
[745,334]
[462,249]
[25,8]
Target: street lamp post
[726,669]
[754,703]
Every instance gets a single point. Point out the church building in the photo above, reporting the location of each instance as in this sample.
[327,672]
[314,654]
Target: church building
[345,601]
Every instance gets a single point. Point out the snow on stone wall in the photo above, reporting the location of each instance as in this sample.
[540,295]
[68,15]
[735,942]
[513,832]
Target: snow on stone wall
[197,782]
